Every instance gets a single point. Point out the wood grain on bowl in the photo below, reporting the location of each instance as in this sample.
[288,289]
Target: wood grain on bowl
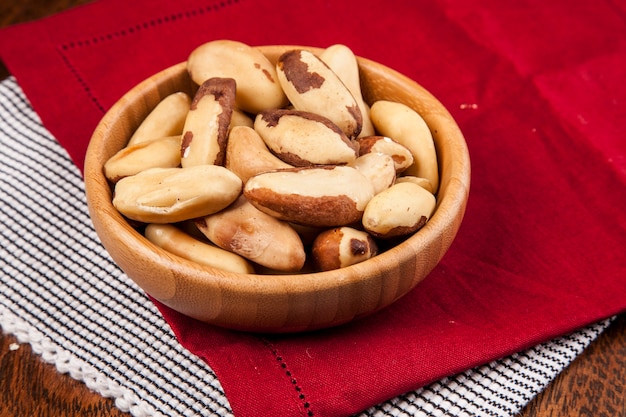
[282,302]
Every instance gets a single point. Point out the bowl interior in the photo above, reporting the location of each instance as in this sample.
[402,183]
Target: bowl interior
[279,303]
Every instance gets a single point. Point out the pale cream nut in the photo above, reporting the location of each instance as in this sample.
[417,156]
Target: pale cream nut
[400,210]
[247,155]
[378,168]
[245,230]
[170,195]
[155,153]
[179,243]
[166,119]
[239,118]
[422,182]
[405,126]
[257,84]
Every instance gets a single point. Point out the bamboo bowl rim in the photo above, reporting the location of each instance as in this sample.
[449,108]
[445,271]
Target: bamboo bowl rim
[279,303]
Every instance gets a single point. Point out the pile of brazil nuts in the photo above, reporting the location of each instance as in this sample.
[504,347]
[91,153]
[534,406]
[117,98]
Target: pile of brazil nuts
[276,168]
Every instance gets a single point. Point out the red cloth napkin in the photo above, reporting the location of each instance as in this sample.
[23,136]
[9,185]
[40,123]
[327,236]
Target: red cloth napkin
[536,87]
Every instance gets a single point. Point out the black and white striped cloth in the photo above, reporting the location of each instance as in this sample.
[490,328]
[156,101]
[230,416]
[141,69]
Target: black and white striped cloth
[61,293]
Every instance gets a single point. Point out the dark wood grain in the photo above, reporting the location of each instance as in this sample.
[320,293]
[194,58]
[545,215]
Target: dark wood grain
[31,387]
[593,385]
[16,11]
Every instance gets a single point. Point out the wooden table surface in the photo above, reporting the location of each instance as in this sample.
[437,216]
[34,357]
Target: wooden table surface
[593,385]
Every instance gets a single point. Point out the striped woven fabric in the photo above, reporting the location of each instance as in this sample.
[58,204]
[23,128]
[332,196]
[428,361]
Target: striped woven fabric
[60,292]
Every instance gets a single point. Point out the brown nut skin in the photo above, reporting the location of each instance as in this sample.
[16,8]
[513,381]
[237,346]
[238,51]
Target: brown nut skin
[312,86]
[314,196]
[243,229]
[247,155]
[304,139]
[208,122]
[401,156]
[342,246]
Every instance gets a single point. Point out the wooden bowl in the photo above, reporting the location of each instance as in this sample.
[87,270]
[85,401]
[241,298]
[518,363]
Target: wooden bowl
[279,303]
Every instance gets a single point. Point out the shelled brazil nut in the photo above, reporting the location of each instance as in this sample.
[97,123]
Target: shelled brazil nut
[285,166]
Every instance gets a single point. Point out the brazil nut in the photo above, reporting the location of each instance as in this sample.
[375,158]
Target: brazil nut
[176,241]
[247,155]
[303,139]
[257,85]
[170,195]
[401,155]
[312,86]
[206,127]
[378,168]
[343,62]
[166,119]
[405,126]
[400,210]
[342,246]
[243,229]
[155,153]
[315,196]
